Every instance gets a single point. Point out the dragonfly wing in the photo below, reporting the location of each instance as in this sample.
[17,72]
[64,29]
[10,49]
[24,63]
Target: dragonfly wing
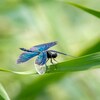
[41,59]
[58,52]
[26,56]
[43,47]
[40,69]
[40,63]
[62,53]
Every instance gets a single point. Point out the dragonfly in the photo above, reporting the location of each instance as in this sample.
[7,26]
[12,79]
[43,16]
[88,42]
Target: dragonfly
[43,55]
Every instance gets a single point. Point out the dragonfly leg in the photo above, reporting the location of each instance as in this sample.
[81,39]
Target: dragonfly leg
[53,64]
[46,64]
[46,67]
[51,61]
[55,59]
[47,60]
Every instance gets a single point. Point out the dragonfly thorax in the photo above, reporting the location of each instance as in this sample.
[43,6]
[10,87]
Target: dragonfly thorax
[51,54]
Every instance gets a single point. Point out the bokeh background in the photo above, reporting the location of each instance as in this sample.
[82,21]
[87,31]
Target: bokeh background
[25,23]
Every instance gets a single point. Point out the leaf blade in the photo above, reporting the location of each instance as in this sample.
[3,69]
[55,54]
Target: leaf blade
[3,93]
[79,64]
[35,88]
[88,10]
[19,73]
[86,62]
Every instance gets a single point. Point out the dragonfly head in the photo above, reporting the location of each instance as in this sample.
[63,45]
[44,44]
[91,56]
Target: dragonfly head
[51,54]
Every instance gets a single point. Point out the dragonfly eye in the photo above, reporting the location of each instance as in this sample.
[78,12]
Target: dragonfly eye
[54,55]
[51,54]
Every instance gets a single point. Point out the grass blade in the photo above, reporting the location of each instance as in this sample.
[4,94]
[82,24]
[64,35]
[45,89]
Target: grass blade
[3,93]
[20,73]
[88,10]
[79,64]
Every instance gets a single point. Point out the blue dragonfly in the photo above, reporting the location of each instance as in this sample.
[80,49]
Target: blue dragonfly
[43,56]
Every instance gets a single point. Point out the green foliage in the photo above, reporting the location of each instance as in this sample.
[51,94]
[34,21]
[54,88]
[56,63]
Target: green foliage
[20,73]
[28,22]
[79,64]
[92,49]
[38,85]
[88,10]
[3,94]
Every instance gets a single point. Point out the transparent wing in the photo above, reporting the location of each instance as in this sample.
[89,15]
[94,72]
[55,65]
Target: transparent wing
[41,59]
[57,52]
[43,47]
[26,56]
[62,53]
[40,63]
[40,69]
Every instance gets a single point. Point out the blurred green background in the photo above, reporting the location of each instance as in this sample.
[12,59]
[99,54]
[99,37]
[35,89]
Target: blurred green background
[25,23]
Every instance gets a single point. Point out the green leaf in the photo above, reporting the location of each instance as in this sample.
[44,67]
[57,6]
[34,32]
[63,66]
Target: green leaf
[3,93]
[31,91]
[92,48]
[20,73]
[88,10]
[78,64]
